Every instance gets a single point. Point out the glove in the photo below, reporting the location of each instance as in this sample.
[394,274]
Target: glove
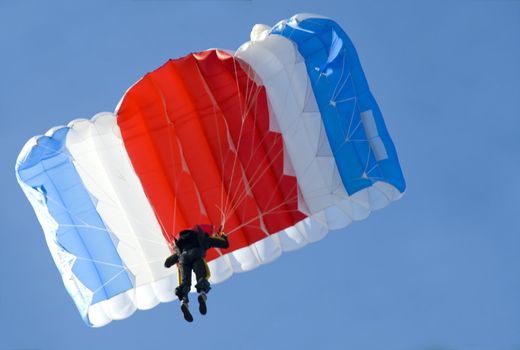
[220,233]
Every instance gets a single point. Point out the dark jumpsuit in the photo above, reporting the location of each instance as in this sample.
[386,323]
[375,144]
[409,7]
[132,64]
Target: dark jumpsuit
[191,248]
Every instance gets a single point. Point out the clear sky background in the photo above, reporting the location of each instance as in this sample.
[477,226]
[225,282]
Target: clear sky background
[439,269]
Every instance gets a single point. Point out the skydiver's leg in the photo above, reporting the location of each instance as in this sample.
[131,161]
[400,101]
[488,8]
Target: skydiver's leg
[185,268]
[201,269]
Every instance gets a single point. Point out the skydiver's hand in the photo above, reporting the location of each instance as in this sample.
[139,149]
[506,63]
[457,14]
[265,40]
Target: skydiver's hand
[220,234]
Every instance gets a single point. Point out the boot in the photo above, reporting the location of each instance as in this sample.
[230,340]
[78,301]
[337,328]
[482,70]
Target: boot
[186,311]
[202,303]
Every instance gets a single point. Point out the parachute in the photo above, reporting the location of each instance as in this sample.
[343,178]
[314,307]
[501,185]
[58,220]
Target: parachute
[280,142]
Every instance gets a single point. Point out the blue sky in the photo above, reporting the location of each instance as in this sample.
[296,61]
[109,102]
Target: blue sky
[439,269]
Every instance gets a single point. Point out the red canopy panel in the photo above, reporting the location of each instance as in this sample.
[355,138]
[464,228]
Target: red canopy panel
[197,133]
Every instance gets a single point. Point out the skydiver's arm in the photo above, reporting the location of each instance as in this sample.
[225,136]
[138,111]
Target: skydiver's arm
[171,260]
[220,241]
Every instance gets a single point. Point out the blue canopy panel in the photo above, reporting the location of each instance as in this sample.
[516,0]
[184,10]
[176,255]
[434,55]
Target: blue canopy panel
[48,169]
[362,148]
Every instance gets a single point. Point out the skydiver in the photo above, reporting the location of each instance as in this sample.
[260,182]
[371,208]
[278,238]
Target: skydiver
[190,251]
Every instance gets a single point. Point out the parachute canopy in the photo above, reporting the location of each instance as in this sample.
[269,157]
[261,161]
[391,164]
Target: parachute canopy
[280,142]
